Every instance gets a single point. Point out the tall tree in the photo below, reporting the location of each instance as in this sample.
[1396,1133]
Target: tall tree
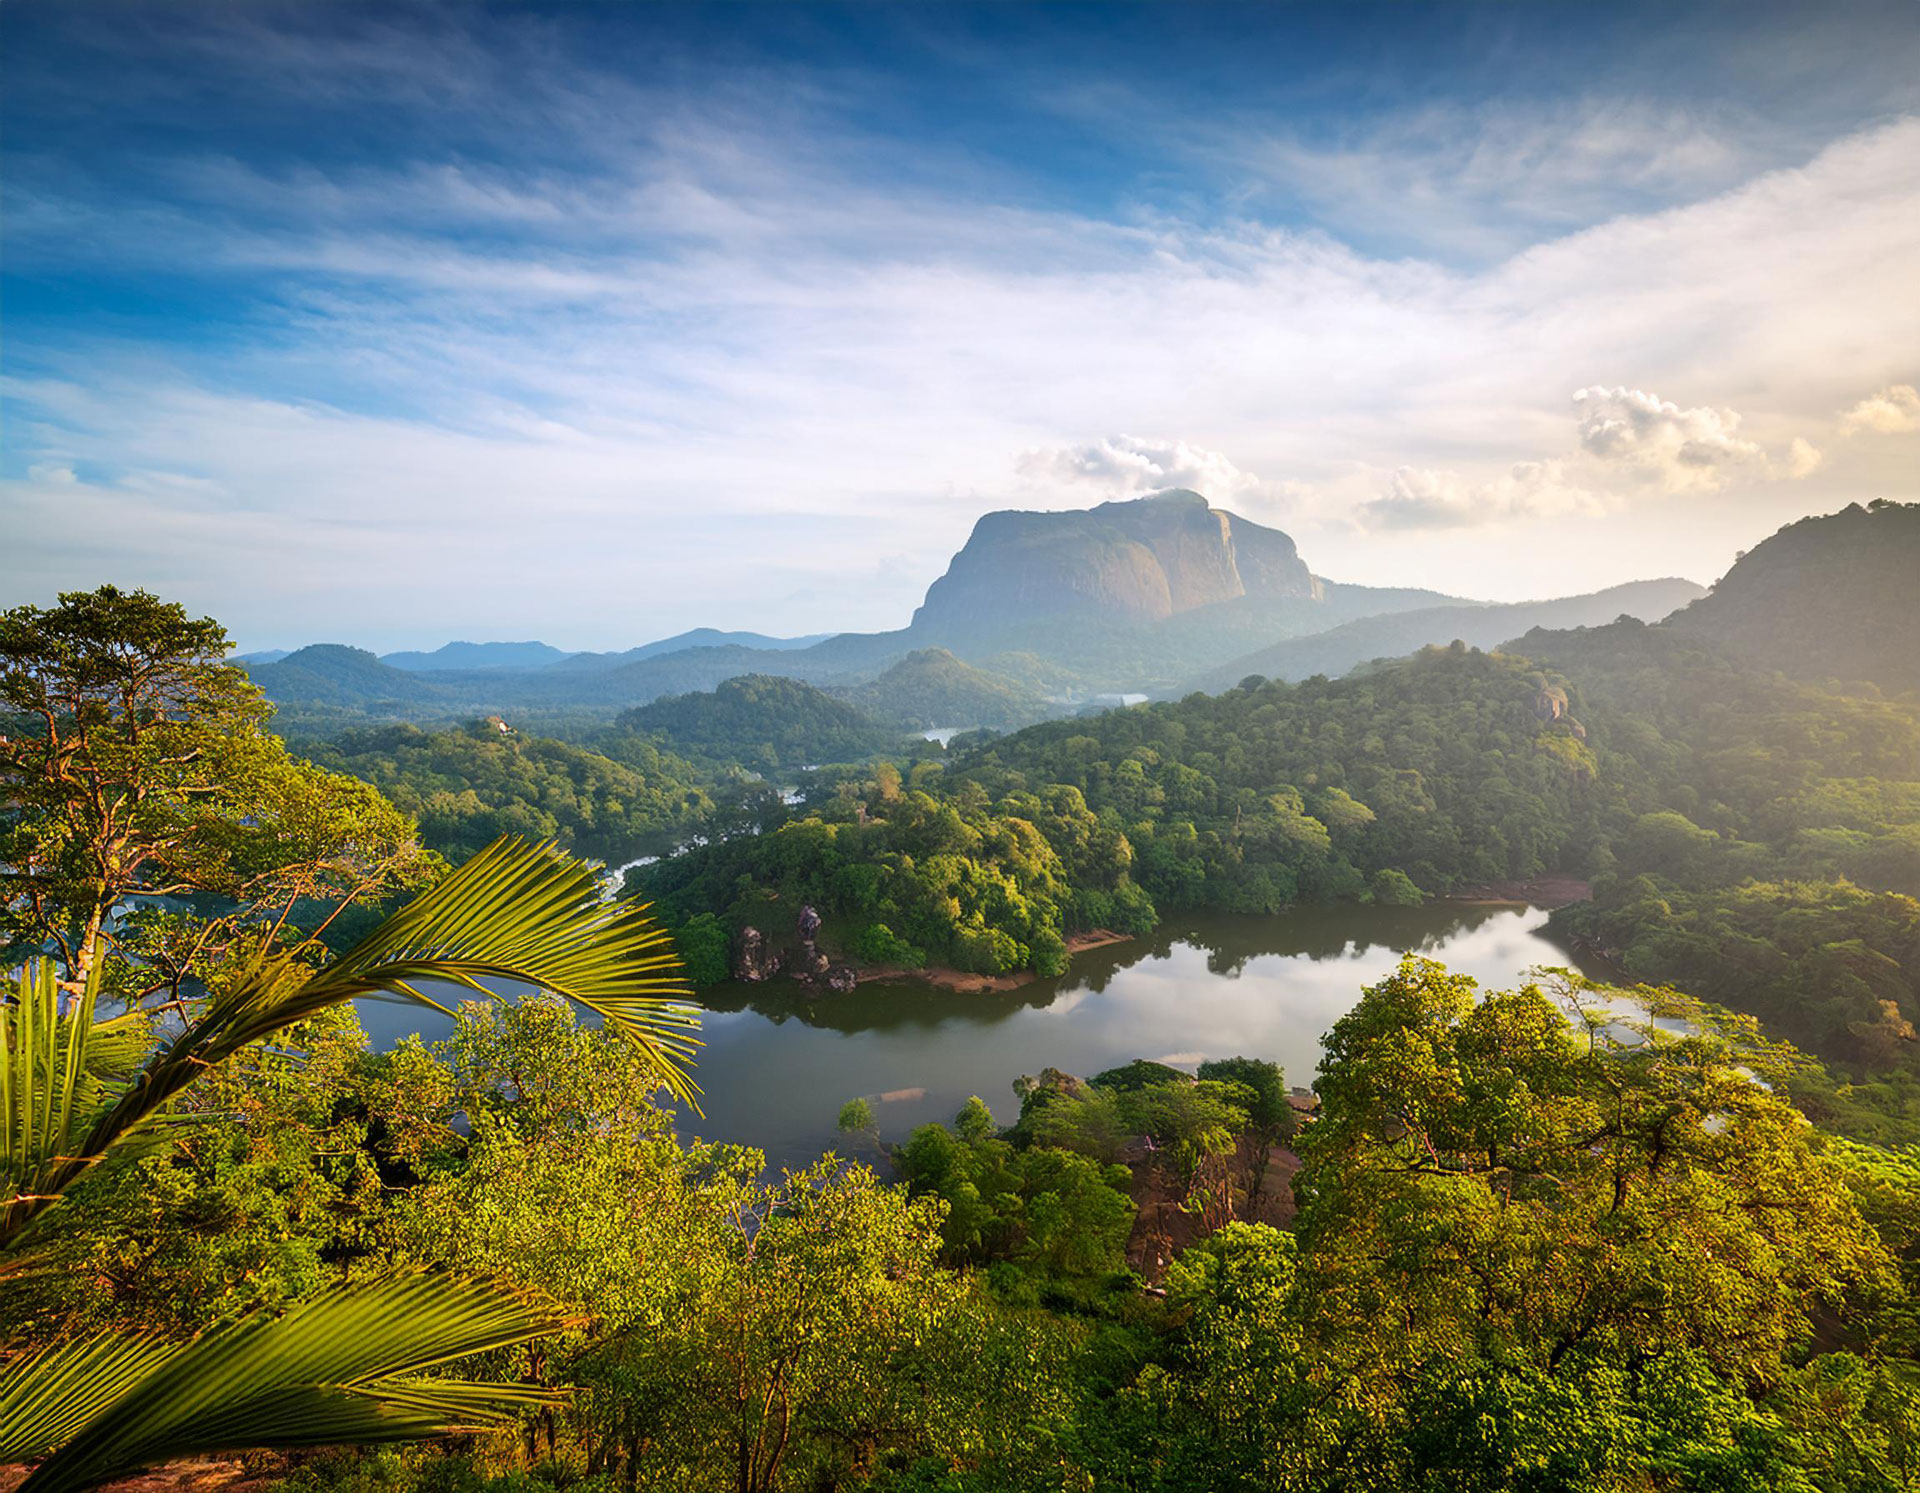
[136,765]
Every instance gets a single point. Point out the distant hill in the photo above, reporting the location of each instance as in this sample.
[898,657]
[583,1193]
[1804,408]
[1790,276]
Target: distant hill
[1138,561]
[260,656]
[333,674]
[478,656]
[931,687]
[699,637]
[763,722]
[1485,626]
[1835,597]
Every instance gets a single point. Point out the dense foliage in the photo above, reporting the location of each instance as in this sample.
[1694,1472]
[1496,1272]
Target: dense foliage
[1453,766]
[467,787]
[905,877]
[763,723]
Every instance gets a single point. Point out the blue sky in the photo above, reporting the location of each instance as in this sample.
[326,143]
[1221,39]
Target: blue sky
[391,324]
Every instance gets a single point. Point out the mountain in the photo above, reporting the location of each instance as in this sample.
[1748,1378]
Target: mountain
[931,687]
[1139,561]
[260,656]
[477,656]
[1835,597]
[699,637]
[762,722]
[1479,625]
[333,674]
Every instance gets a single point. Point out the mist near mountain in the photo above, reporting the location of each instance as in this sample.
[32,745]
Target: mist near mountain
[1340,649]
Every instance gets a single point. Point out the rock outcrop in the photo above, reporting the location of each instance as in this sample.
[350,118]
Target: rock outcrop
[754,959]
[1142,561]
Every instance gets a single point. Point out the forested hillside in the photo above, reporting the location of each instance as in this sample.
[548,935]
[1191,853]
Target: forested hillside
[764,723]
[468,786]
[1828,598]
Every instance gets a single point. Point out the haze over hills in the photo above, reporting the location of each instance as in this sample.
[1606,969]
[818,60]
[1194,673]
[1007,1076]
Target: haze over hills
[477,656]
[1042,612]
[334,674]
[1339,649]
[931,688]
[699,637]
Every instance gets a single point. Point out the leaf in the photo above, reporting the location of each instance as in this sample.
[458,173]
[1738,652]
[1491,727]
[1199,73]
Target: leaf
[344,1366]
[56,1073]
[517,911]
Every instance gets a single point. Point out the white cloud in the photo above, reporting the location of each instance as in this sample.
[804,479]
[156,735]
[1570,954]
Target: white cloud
[1895,410]
[735,361]
[1127,465]
[1677,449]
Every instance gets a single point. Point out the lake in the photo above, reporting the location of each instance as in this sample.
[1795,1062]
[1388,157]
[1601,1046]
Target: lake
[778,1066]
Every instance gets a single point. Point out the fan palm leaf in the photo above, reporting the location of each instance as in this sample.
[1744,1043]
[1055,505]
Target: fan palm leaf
[344,1366]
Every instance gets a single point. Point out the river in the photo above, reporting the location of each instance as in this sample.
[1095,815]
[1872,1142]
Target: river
[777,1066]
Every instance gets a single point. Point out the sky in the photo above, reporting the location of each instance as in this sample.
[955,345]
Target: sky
[394,324]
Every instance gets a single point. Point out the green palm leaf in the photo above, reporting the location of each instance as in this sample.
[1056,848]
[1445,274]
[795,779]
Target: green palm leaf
[517,911]
[56,1073]
[344,1366]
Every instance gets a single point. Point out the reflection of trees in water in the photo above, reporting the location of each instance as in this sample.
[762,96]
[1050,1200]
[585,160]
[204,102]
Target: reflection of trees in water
[1341,931]
[879,1008]
[1228,942]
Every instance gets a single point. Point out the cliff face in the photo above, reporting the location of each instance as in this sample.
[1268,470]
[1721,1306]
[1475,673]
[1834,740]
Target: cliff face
[1135,561]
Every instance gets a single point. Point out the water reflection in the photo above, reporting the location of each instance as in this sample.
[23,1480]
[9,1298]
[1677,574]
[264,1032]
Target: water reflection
[777,1066]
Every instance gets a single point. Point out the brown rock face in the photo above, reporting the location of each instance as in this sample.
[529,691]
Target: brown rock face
[1138,561]
[754,959]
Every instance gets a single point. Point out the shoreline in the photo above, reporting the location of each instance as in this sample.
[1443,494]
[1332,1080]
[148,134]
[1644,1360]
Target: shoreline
[962,983]
[1548,892]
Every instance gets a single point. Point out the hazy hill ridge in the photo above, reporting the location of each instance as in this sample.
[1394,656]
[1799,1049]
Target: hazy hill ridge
[1339,649]
[1143,560]
[1833,597]
[930,687]
[477,656]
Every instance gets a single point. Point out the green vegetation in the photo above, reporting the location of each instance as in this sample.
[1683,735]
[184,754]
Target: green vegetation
[904,877]
[930,689]
[467,787]
[1827,598]
[1563,1237]
[763,723]
[134,759]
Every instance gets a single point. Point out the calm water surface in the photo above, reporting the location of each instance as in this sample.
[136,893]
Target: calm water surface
[777,1067]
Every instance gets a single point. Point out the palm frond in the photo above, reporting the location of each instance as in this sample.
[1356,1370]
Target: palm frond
[56,1073]
[345,1366]
[528,912]
[518,911]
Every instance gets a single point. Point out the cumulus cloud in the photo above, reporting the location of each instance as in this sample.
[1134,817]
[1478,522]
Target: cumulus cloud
[1659,442]
[1895,410]
[1803,457]
[1125,464]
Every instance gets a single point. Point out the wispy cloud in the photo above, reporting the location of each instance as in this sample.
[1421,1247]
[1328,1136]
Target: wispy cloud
[647,344]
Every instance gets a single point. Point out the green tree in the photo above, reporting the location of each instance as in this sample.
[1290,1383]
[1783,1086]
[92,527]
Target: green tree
[134,765]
